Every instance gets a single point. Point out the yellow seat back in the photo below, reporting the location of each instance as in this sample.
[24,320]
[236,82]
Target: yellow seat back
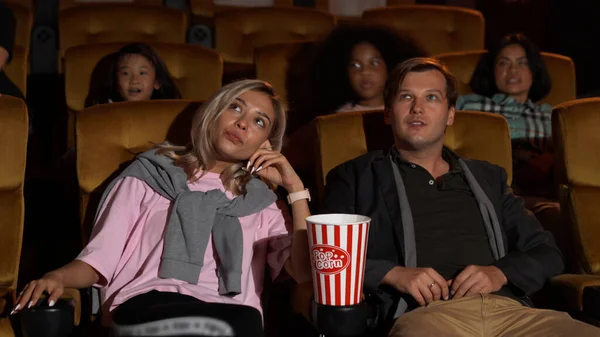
[439,29]
[110,135]
[14,131]
[238,32]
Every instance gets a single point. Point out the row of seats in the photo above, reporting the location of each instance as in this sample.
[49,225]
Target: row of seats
[205,8]
[64,4]
[208,8]
[239,32]
[272,64]
[197,71]
[243,37]
[110,135]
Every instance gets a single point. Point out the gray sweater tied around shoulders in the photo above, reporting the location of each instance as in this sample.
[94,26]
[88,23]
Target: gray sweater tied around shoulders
[194,216]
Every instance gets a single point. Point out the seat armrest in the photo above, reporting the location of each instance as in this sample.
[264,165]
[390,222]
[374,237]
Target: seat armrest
[571,287]
[302,297]
[591,302]
[74,297]
[8,295]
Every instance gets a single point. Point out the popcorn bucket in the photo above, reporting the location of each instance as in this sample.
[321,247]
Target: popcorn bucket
[338,248]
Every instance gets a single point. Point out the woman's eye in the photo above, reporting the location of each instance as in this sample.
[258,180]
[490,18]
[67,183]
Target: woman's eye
[432,97]
[260,122]
[405,96]
[144,73]
[236,108]
[355,65]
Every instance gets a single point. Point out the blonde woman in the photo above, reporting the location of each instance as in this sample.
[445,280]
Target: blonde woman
[187,231]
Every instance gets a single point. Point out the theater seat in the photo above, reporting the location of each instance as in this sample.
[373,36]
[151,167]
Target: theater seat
[334,139]
[575,127]
[238,32]
[462,65]
[16,70]
[562,74]
[13,151]
[25,3]
[110,135]
[324,4]
[439,29]
[284,65]
[208,7]
[561,69]
[101,23]
[64,4]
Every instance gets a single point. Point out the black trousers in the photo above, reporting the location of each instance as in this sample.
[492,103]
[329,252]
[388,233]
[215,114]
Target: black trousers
[153,306]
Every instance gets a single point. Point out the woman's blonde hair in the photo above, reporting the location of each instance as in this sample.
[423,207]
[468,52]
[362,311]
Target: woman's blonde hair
[201,153]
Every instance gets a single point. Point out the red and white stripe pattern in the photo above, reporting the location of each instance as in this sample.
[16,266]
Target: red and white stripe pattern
[345,287]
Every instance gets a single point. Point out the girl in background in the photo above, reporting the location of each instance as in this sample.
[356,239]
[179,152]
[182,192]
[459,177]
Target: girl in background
[135,73]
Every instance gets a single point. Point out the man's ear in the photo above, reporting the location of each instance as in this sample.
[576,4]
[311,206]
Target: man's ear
[387,116]
[451,114]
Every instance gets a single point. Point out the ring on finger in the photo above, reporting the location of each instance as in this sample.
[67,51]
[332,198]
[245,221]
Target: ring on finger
[432,285]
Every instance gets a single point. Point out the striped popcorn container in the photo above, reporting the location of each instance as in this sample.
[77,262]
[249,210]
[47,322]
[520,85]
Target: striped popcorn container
[338,249]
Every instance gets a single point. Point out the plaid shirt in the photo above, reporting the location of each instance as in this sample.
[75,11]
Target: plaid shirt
[530,124]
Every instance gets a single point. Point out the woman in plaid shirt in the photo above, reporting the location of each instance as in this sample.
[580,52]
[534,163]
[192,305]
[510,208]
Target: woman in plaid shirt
[509,80]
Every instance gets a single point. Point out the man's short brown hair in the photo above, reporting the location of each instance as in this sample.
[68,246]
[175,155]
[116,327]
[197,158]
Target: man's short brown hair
[418,64]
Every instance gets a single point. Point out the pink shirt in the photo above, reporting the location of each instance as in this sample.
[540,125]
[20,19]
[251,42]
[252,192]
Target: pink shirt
[127,243]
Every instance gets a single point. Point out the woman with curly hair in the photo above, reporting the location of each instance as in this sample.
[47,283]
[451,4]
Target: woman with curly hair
[351,68]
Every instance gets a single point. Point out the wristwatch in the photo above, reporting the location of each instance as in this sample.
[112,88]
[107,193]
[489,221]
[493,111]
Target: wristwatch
[293,197]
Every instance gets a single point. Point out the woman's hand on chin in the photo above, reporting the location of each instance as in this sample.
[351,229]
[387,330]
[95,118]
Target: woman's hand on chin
[275,168]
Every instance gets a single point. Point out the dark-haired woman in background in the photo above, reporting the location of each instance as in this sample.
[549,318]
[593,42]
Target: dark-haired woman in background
[351,68]
[353,64]
[510,80]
